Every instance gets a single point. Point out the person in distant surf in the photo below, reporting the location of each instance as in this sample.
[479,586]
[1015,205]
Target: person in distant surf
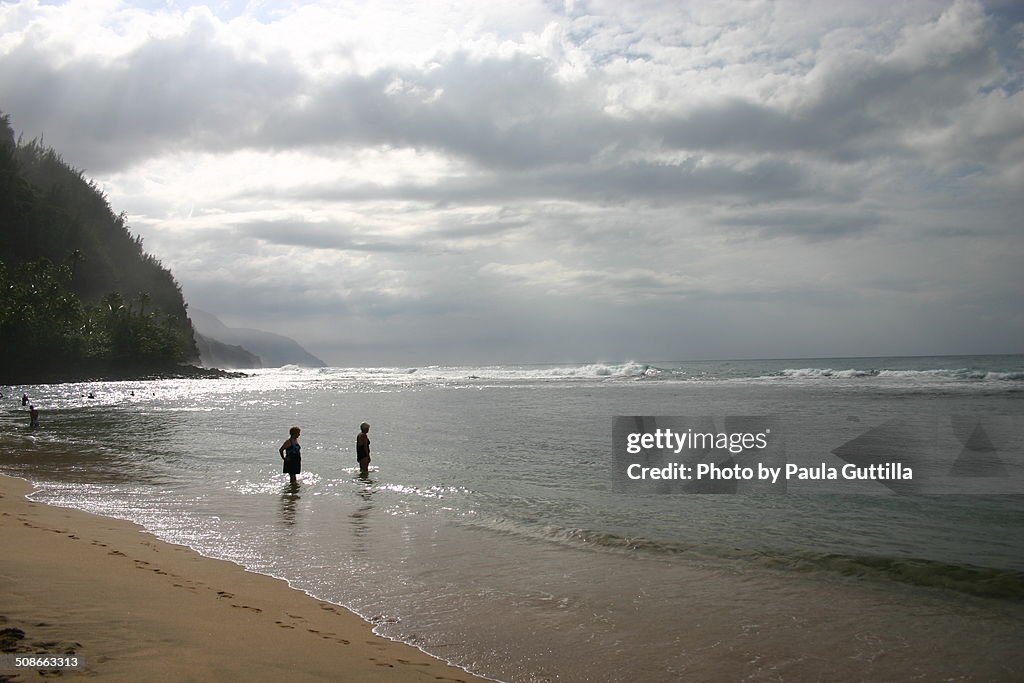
[33,417]
[24,400]
[290,452]
[363,449]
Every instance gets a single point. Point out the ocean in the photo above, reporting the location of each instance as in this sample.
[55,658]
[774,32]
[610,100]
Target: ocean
[489,532]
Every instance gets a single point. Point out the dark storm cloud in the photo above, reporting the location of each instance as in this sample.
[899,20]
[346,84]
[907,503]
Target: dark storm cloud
[478,229]
[807,224]
[865,108]
[497,112]
[189,92]
[501,113]
[317,236]
[167,95]
[661,183]
[523,188]
[268,299]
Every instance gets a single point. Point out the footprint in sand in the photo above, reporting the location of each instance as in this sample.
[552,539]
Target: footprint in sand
[254,609]
[407,662]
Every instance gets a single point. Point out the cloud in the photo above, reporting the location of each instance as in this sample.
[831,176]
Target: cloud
[636,181]
[500,111]
[804,223]
[109,113]
[541,178]
[315,236]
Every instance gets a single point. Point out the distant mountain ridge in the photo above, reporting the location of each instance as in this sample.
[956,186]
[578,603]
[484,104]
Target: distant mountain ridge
[241,348]
[217,354]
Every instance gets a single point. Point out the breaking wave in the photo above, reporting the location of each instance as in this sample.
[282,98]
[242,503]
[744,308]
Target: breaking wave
[627,370]
[813,373]
[1008,373]
[949,374]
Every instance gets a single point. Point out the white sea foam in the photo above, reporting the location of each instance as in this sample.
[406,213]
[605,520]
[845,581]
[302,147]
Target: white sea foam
[827,372]
[1004,375]
[630,369]
[731,372]
[919,375]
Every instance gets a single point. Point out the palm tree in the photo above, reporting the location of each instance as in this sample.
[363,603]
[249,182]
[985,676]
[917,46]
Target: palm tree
[143,299]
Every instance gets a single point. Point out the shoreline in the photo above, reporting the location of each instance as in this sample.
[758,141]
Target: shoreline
[133,607]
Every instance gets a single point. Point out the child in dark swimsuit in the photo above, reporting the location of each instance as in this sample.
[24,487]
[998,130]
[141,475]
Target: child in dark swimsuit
[290,453]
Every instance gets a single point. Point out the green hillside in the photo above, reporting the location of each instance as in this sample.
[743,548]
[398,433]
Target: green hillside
[79,297]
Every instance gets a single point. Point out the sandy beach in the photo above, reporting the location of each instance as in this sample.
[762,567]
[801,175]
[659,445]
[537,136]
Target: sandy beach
[135,608]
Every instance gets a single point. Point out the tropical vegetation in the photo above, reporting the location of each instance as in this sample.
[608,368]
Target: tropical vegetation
[77,290]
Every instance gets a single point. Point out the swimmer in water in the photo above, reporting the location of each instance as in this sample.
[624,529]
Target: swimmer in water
[363,449]
[290,452]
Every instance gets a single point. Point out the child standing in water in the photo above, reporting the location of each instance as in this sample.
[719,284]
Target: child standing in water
[290,453]
[363,449]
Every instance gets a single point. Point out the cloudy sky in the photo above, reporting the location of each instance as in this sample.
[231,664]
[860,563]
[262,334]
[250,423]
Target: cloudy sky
[513,181]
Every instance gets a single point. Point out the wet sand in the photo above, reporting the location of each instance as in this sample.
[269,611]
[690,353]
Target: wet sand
[135,608]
